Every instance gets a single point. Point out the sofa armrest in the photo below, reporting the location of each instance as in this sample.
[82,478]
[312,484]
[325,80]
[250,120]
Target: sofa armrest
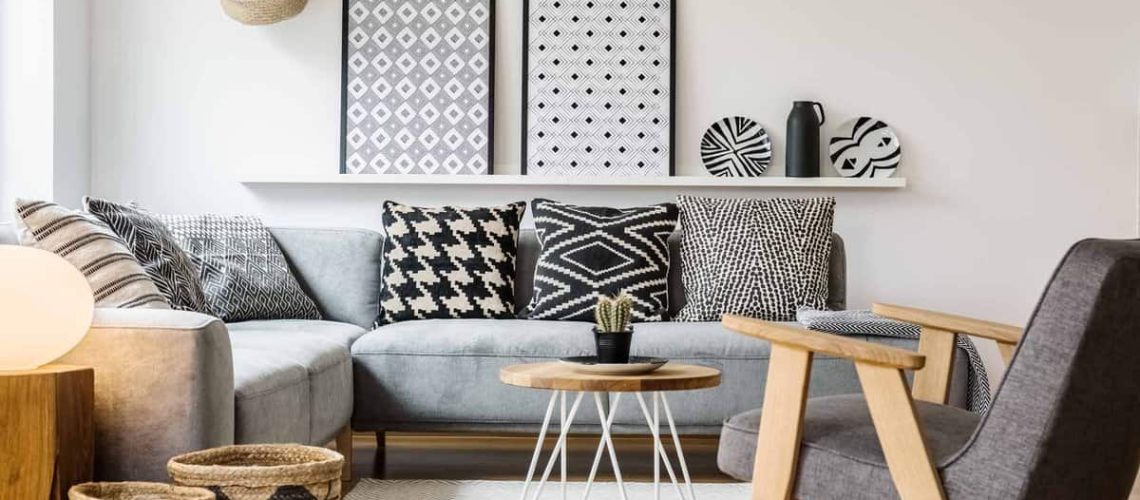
[164,385]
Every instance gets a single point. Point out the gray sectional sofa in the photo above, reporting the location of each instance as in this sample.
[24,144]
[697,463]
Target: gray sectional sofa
[170,381]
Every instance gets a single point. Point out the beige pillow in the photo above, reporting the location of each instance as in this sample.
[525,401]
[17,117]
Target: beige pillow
[116,278]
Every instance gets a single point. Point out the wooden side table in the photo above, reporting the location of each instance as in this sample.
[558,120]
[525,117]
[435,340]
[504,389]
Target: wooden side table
[563,379]
[47,434]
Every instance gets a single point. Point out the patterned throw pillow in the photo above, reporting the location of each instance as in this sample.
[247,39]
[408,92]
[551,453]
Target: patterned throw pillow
[157,250]
[116,278]
[241,268]
[449,262]
[588,252]
[758,258]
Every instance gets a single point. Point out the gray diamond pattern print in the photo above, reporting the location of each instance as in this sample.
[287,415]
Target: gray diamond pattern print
[598,88]
[418,87]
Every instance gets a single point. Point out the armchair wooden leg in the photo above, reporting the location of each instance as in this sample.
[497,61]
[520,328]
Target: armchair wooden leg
[781,423]
[344,447]
[899,432]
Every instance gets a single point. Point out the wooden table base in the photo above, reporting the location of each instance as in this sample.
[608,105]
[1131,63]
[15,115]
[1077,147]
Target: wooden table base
[47,432]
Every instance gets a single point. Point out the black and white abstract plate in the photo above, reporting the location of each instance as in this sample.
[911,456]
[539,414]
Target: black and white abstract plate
[865,147]
[736,147]
[637,365]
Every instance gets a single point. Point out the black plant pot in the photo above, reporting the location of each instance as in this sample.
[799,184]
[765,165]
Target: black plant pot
[613,347]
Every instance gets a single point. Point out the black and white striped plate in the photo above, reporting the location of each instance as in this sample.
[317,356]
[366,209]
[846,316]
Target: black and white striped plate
[736,147]
[865,147]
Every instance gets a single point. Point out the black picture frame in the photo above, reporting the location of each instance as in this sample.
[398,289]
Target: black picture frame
[491,49]
[523,158]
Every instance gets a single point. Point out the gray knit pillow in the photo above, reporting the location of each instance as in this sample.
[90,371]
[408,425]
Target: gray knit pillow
[242,270]
[758,258]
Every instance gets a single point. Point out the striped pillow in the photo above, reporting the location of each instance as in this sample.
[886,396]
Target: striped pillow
[115,276]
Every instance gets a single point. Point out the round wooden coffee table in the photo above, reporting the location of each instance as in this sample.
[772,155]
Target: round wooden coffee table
[563,379]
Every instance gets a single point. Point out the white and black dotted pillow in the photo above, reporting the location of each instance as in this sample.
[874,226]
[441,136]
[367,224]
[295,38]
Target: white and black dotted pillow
[758,258]
[589,252]
[156,250]
[449,262]
[242,270]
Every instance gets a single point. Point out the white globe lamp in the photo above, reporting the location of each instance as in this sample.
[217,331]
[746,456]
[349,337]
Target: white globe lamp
[46,307]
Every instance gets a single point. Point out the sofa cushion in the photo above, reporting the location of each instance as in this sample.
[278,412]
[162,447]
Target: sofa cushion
[271,398]
[758,258]
[243,272]
[449,262]
[321,348]
[445,373]
[156,250]
[840,436]
[591,252]
[340,268]
[116,278]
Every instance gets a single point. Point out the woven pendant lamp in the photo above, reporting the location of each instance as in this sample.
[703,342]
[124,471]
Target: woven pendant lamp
[257,12]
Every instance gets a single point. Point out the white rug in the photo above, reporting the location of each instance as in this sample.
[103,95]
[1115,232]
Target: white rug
[376,489]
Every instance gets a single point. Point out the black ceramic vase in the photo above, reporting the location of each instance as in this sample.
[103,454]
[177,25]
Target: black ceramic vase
[802,154]
[613,347]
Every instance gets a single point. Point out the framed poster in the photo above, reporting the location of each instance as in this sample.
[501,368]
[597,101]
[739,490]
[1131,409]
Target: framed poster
[418,86]
[598,87]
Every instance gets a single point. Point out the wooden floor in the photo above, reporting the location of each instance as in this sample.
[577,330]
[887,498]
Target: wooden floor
[416,456]
[506,458]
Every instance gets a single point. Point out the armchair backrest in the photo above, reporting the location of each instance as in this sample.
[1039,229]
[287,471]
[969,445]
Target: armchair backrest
[1065,422]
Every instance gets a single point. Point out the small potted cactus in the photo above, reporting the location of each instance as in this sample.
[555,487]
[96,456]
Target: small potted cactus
[613,333]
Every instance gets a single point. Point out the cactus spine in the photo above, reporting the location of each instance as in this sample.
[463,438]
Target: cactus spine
[613,314]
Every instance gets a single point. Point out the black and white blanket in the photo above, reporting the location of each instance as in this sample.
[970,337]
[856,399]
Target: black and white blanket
[864,322]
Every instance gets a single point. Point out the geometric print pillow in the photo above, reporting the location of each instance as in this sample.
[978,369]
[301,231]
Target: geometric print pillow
[116,278]
[242,270]
[758,258]
[589,252]
[449,262]
[156,250]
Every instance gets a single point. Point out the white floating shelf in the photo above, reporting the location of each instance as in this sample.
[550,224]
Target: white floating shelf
[536,180]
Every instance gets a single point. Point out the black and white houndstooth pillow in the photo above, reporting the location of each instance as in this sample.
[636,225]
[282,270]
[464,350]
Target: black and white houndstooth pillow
[589,252]
[449,262]
[758,258]
[156,250]
[241,268]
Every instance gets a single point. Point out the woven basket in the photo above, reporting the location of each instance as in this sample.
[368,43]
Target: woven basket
[257,12]
[260,472]
[136,491]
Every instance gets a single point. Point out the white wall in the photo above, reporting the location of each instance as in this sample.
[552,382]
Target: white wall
[1019,121]
[44,114]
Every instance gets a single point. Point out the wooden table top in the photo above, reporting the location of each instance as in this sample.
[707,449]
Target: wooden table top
[562,376]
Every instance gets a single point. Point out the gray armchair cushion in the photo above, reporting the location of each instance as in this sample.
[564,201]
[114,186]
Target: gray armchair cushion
[339,268]
[839,440]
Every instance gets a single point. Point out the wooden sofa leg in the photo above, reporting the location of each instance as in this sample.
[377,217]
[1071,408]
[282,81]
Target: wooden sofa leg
[381,442]
[344,447]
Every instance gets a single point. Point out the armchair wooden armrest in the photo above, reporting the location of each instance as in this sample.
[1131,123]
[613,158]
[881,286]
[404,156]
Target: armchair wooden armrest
[1006,336]
[825,343]
[880,369]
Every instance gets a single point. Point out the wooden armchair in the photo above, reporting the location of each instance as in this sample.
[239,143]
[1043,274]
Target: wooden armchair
[1062,425]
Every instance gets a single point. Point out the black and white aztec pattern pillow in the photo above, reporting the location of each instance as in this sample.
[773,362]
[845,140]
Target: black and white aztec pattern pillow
[449,262]
[242,270]
[758,258]
[156,250]
[589,252]
[116,278]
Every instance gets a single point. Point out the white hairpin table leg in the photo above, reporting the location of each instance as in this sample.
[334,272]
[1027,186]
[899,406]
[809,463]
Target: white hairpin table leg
[677,445]
[606,441]
[656,460]
[538,446]
[562,435]
[562,424]
[659,448]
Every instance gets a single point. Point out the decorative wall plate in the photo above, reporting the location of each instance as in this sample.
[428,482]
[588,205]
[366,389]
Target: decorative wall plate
[865,147]
[597,88]
[736,147]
